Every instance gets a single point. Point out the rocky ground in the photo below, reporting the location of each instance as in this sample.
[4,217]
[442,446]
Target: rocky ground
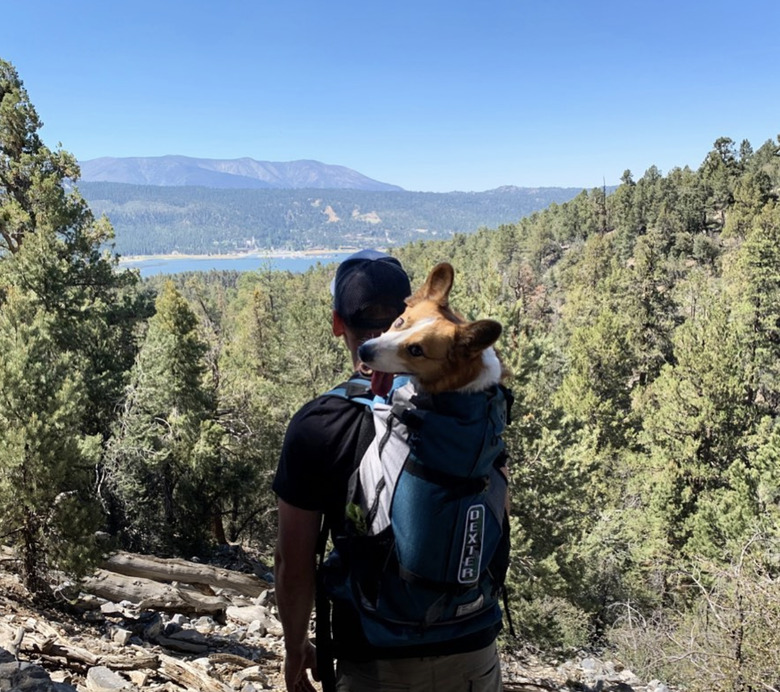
[92,644]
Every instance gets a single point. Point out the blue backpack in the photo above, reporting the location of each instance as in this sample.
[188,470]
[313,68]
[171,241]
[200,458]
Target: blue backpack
[424,550]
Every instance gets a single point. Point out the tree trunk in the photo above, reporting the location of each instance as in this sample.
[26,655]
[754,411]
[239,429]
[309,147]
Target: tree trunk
[161,569]
[218,527]
[148,594]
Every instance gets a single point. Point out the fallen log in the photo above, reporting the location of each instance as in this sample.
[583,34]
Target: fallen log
[169,569]
[139,659]
[34,643]
[149,594]
[42,643]
[189,676]
[232,659]
[43,640]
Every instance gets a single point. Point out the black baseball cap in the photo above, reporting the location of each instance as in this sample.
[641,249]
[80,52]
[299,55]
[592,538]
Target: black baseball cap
[367,282]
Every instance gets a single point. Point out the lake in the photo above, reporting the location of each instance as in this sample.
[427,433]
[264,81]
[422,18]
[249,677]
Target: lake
[175,265]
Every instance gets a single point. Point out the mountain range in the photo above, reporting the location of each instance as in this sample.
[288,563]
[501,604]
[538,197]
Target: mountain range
[160,205]
[244,173]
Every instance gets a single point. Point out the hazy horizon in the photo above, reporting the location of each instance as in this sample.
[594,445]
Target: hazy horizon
[431,97]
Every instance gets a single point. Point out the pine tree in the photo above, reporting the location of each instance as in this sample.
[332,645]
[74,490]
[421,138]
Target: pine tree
[720,171]
[754,279]
[697,420]
[164,457]
[46,465]
[58,274]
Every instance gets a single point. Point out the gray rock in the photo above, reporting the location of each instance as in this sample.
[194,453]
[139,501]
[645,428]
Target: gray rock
[192,636]
[252,674]
[588,664]
[102,679]
[110,608]
[182,645]
[171,628]
[180,620]
[265,598]
[256,629]
[657,686]
[26,677]
[205,624]
[119,635]
[247,614]
[152,627]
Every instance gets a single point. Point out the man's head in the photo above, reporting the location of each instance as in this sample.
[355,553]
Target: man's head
[368,294]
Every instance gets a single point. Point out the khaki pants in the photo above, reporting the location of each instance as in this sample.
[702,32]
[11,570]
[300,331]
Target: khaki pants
[477,671]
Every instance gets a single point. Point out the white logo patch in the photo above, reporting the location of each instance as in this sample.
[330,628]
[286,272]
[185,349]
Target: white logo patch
[471,554]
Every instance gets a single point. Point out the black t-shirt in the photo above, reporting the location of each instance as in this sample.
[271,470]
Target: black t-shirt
[317,459]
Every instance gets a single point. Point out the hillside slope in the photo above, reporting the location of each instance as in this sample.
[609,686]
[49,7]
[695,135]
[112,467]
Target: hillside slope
[159,220]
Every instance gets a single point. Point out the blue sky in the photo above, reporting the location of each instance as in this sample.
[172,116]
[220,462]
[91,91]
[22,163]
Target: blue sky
[430,95]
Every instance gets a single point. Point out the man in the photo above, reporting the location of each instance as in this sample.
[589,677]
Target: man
[318,456]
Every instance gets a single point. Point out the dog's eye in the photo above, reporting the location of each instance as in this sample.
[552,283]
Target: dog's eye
[415,350]
[399,323]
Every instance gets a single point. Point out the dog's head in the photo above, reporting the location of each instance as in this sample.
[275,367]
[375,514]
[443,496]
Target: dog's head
[441,350]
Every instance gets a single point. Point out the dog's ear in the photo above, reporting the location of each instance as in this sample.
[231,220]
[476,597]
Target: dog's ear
[475,337]
[438,284]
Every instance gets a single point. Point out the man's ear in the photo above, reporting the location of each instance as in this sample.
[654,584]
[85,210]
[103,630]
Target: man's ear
[338,326]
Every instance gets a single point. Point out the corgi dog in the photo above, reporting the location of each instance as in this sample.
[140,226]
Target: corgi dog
[441,350]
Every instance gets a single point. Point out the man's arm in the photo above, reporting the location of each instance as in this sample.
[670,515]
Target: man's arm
[295,579]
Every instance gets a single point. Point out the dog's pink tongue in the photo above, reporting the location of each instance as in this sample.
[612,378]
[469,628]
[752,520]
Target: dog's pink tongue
[381,382]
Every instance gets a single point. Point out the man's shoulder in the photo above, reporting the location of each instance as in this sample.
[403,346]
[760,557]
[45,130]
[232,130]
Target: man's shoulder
[323,413]
[317,455]
[343,396]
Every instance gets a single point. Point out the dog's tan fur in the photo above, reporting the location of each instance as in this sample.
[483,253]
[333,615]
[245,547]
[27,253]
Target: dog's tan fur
[436,345]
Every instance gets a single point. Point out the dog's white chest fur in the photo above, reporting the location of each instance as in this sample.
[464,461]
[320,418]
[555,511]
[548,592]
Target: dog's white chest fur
[490,375]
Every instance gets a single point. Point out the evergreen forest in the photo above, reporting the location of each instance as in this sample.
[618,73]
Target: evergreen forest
[153,220]
[642,329]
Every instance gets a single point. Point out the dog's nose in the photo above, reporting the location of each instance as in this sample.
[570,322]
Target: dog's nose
[365,352]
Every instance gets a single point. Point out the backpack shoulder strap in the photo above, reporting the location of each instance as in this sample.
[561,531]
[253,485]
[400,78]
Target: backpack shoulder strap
[356,388]
[509,397]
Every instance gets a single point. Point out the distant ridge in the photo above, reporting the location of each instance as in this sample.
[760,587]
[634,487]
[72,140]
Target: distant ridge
[244,173]
[156,219]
